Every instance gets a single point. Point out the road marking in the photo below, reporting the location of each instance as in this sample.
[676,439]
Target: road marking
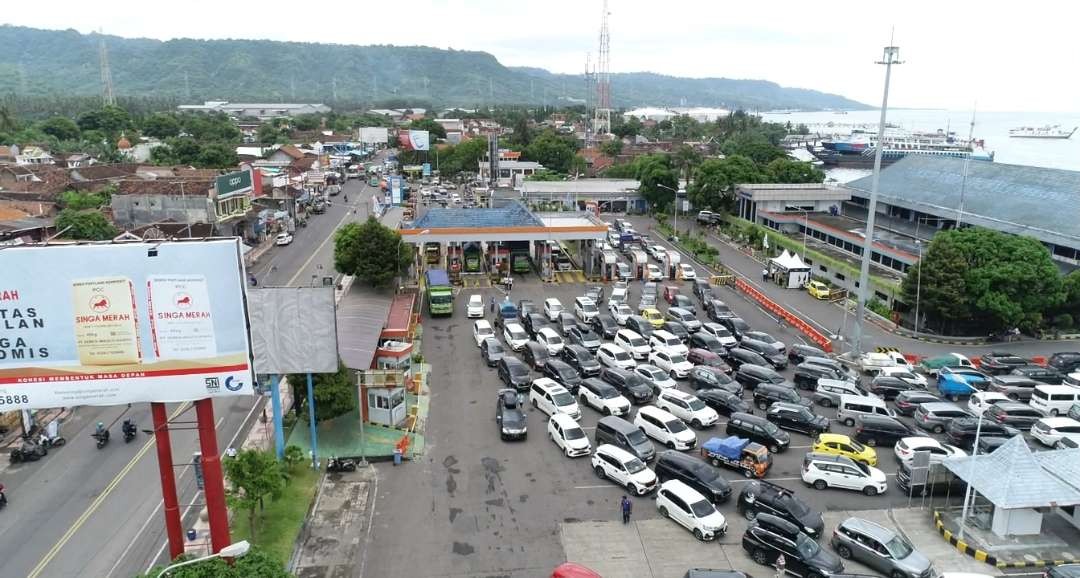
[597,487]
[320,247]
[98,501]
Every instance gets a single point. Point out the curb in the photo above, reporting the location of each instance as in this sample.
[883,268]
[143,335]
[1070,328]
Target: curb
[990,559]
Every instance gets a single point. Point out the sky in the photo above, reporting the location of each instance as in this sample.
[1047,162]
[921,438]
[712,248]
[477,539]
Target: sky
[990,55]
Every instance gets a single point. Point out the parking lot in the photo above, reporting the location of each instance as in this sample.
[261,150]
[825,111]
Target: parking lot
[519,508]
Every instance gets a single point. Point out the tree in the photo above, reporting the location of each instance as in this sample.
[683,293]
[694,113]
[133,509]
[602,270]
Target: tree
[257,562]
[686,158]
[551,150]
[89,225]
[785,170]
[306,122]
[216,156]
[437,130]
[78,200]
[755,146]
[658,181]
[253,476]
[270,134]
[631,127]
[371,251]
[109,119]
[714,182]
[60,127]
[578,166]
[161,126]
[335,395]
[611,148]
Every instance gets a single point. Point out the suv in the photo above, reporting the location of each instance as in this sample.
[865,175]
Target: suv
[807,375]
[699,356]
[720,332]
[514,373]
[581,359]
[1017,387]
[585,309]
[640,325]
[759,430]
[662,339]
[887,387]
[908,401]
[604,325]
[723,402]
[567,434]
[759,497]
[935,417]
[492,351]
[622,468]
[584,336]
[832,471]
[690,509]
[613,356]
[766,339]
[767,393]
[775,358]
[960,432]
[561,372]
[630,384]
[829,392]
[1018,415]
[1047,375]
[665,428]
[702,290]
[619,432]
[684,316]
[738,356]
[769,538]
[879,548]
[708,342]
[677,329]
[687,408]
[1065,361]
[535,355]
[880,429]
[699,475]
[717,309]
[510,416]
[750,376]
[797,352]
[656,377]
[551,398]
[796,417]
[705,377]
[602,397]
[736,325]
[999,362]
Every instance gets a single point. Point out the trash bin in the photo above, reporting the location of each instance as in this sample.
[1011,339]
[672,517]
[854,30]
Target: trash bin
[192,534]
[397,456]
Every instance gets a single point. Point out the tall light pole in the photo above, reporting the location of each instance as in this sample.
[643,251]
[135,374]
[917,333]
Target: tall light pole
[675,221]
[890,57]
[918,287]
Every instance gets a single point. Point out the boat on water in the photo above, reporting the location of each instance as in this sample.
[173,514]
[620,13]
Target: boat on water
[857,151]
[1048,131]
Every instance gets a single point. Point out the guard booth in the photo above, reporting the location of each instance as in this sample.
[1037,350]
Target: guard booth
[671,264]
[604,262]
[639,260]
[382,397]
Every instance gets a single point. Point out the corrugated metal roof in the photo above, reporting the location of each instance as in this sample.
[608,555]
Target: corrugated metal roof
[361,314]
[1012,478]
[1065,464]
[511,215]
[582,186]
[1016,199]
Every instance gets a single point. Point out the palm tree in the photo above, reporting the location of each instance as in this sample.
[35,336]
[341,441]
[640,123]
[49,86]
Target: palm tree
[686,158]
[7,121]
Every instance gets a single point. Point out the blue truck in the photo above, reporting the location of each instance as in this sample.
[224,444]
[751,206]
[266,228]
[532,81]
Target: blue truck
[957,382]
[752,459]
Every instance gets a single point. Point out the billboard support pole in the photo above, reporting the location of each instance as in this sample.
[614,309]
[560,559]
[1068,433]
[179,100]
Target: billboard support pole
[275,403]
[311,424]
[214,480]
[173,527]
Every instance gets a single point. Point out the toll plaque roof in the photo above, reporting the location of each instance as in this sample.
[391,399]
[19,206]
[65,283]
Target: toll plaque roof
[512,215]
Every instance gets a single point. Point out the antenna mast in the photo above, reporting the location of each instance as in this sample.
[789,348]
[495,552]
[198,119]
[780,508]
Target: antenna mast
[602,119]
[106,73]
[588,99]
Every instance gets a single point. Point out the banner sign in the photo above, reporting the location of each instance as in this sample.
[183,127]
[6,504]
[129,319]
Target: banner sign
[414,140]
[122,323]
[427,169]
[233,184]
[396,186]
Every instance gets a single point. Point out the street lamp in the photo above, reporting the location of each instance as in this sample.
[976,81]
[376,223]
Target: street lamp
[918,288]
[675,221]
[237,550]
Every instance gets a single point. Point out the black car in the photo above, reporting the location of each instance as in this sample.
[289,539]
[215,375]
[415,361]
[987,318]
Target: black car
[1018,415]
[604,325]
[684,302]
[510,416]
[706,377]
[880,429]
[717,310]
[492,351]
[535,355]
[677,329]
[908,401]
[807,375]
[988,445]
[699,475]
[999,362]
[767,394]
[514,373]
[1063,571]
[566,321]
[766,338]
[765,350]
[639,325]
[797,352]
[738,356]
[699,356]
[582,335]
[1047,375]
[1065,362]
[759,497]
[563,373]
[751,375]
[961,431]
[702,340]
[887,387]
[723,401]
[702,290]
[760,430]
[534,322]
[525,307]
[631,385]
[795,417]
[596,293]
[937,481]
[735,325]
[581,359]
[771,537]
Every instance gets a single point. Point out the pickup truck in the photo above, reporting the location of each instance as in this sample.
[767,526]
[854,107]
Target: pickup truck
[871,363]
[752,459]
[709,218]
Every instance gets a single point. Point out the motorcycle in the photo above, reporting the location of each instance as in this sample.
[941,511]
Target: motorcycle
[129,430]
[102,438]
[336,464]
[28,452]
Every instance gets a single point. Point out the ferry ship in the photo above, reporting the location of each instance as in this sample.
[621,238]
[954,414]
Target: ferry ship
[858,150]
[1048,131]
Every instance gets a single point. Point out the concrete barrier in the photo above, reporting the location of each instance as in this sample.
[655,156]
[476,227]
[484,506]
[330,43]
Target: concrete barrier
[776,309]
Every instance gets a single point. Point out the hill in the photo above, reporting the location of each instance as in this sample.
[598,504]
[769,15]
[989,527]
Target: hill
[49,62]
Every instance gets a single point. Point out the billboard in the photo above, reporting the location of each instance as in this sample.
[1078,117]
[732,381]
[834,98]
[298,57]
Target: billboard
[105,324]
[294,329]
[426,169]
[376,135]
[414,140]
[232,184]
[396,186]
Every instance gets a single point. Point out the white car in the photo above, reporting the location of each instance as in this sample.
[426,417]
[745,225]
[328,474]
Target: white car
[552,308]
[547,337]
[691,510]
[686,271]
[611,355]
[585,309]
[905,449]
[828,471]
[657,252]
[623,270]
[618,295]
[687,408]
[551,398]
[475,308]
[666,340]
[721,333]
[567,434]
[980,401]
[659,378]
[603,397]
[653,273]
[514,335]
[665,428]
[633,343]
[283,239]
[1050,430]
[620,311]
[481,330]
[671,362]
[905,375]
[618,465]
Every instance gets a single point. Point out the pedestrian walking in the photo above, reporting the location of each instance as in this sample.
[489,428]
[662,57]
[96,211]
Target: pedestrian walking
[764,275]
[492,304]
[627,508]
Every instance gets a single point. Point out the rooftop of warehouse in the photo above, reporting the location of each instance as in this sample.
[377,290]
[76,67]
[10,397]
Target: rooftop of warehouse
[511,215]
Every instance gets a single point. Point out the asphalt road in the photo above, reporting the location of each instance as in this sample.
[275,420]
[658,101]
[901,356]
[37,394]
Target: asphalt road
[476,506]
[88,512]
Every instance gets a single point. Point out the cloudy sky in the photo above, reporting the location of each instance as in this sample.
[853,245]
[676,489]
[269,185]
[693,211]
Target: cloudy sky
[1003,56]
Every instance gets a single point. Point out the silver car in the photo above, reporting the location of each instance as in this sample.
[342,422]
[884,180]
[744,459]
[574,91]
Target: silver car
[879,548]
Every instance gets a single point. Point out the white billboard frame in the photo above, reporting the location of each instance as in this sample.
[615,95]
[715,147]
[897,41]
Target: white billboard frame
[293,329]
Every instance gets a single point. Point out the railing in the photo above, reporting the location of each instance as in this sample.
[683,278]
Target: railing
[793,320]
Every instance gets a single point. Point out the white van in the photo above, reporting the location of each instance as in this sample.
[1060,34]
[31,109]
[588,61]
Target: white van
[691,510]
[1054,400]
[851,406]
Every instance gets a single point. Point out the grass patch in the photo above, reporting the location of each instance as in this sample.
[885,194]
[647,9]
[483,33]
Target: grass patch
[280,522]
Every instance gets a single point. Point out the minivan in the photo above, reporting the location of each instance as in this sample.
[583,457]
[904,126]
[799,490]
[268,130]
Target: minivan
[699,475]
[775,358]
[851,406]
[621,433]
[690,509]
[1017,387]
[1054,400]
[535,355]
[585,309]
[760,430]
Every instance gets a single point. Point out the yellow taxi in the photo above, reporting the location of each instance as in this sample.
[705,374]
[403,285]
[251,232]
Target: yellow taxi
[842,445]
[818,290]
[653,316]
